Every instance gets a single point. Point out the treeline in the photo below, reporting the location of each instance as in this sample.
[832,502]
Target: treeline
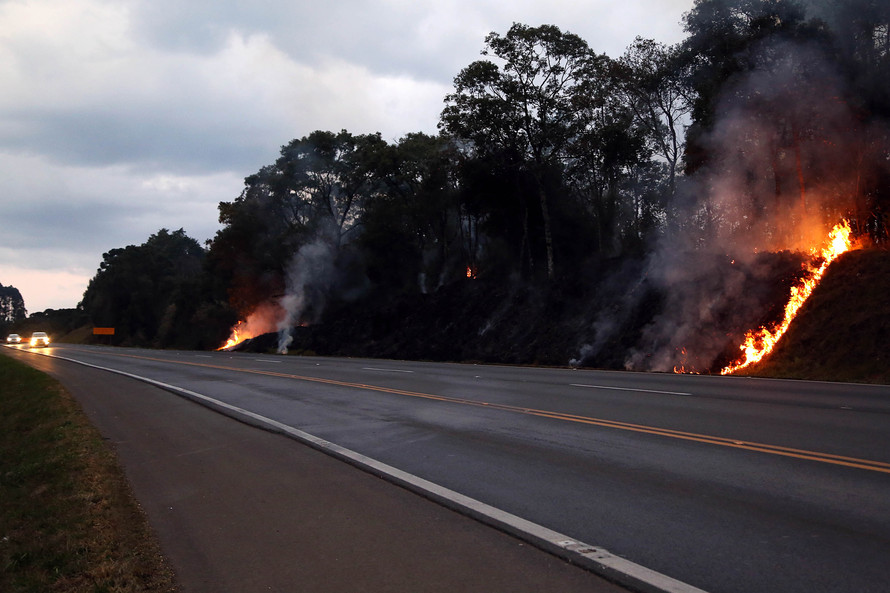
[550,158]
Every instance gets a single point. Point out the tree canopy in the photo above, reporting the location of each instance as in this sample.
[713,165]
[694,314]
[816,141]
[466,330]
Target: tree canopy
[150,292]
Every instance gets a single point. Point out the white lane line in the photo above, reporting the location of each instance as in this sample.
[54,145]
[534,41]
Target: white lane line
[593,558]
[385,370]
[269,361]
[628,389]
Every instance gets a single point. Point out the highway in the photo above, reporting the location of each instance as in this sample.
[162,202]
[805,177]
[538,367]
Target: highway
[727,484]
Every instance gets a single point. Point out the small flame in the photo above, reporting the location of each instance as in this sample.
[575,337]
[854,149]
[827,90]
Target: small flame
[681,369]
[262,320]
[471,272]
[759,343]
[238,335]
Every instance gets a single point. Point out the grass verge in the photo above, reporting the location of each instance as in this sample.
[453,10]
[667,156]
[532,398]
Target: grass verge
[68,521]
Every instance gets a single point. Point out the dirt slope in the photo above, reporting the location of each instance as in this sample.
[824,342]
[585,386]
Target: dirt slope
[843,332]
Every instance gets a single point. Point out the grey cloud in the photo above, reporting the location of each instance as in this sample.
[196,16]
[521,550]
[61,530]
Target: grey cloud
[361,32]
[174,141]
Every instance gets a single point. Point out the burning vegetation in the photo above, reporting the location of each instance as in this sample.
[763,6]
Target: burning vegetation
[663,266]
[641,212]
[759,343]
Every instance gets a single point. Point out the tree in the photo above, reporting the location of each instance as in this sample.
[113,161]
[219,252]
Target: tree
[327,178]
[649,78]
[860,30]
[605,155]
[418,216]
[141,290]
[317,190]
[726,38]
[12,305]
[775,126]
[526,106]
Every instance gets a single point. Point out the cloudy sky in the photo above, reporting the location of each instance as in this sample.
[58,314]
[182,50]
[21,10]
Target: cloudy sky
[122,117]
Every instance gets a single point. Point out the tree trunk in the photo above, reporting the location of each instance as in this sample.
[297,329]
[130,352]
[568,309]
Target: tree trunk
[548,234]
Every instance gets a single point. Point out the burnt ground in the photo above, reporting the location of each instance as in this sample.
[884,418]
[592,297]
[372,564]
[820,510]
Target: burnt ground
[601,318]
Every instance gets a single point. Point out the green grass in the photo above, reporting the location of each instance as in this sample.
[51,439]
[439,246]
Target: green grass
[68,521]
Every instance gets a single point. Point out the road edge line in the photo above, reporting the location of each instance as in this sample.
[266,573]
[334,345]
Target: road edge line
[595,559]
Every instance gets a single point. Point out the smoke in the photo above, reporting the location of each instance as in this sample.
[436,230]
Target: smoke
[262,320]
[310,275]
[786,155]
[785,149]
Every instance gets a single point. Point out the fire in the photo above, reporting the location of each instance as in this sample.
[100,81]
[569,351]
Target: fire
[471,272]
[759,343]
[681,369]
[238,335]
[264,319]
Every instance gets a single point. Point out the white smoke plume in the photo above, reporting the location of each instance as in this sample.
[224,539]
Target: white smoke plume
[309,276]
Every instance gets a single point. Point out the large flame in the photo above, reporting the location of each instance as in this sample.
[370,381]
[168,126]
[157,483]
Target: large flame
[758,343]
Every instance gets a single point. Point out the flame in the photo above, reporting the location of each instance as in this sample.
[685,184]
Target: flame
[471,272]
[759,343]
[240,332]
[262,320]
[681,369]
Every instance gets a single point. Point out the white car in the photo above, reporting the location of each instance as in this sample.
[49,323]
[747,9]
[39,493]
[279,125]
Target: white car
[13,339]
[39,339]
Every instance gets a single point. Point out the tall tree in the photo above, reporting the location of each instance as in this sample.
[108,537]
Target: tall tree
[12,305]
[328,177]
[526,104]
[648,76]
[317,189]
[609,150]
[418,216]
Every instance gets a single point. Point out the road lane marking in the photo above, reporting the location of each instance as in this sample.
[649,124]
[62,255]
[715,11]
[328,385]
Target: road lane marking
[829,458]
[628,389]
[385,370]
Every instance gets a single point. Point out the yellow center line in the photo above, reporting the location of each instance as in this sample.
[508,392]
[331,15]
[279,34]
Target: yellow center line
[866,464]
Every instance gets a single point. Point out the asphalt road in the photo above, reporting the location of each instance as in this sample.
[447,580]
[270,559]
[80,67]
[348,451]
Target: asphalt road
[241,509]
[727,484]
